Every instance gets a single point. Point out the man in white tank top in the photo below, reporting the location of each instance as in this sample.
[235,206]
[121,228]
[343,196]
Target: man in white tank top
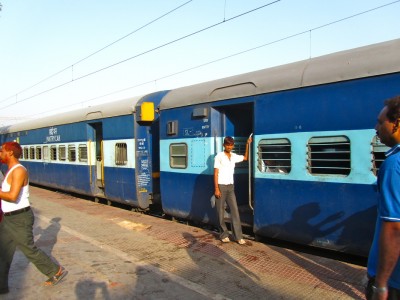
[16,228]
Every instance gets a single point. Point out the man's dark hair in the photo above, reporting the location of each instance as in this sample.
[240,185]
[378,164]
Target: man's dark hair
[229,140]
[14,147]
[393,105]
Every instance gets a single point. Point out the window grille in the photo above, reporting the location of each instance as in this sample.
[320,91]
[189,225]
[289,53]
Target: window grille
[329,156]
[71,153]
[121,154]
[32,153]
[239,148]
[53,153]
[378,154]
[26,152]
[178,156]
[83,155]
[62,155]
[275,156]
[38,152]
[46,153]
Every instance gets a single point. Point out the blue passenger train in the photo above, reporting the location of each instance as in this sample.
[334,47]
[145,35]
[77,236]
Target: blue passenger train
[104,151]
[314,157]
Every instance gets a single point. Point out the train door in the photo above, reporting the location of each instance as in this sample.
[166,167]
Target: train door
[237,121]
[96,141]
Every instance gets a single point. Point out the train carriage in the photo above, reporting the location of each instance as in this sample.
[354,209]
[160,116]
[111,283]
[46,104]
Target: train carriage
[313,162]
[104,151]
[311,177]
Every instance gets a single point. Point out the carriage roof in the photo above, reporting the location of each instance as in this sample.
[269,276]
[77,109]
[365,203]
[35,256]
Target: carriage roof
[372,60]
[106,110]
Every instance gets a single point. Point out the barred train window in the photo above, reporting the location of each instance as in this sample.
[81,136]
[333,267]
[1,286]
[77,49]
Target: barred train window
[62,153]
[121,154]
[38,152]
[53,153]
[26,152]
[71,153]
[32,153]
[83,155]
[378,154]
[329,155]
[275,156]
[46,153]
[240,148]
[178,156]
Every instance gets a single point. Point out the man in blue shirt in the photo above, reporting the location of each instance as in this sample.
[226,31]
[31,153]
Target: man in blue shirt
[383,260]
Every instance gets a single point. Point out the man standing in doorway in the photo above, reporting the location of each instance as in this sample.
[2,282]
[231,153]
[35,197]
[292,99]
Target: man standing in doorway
[383,260]
[16,229]
[224,166]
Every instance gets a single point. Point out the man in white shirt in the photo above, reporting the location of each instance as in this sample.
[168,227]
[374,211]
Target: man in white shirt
[224,167]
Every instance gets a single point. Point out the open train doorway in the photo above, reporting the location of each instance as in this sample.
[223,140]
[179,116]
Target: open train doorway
[96,138]
[237,121]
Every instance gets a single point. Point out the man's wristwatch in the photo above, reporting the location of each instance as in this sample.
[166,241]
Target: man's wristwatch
[379,290]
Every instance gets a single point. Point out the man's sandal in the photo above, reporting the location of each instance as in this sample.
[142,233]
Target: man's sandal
[56,278]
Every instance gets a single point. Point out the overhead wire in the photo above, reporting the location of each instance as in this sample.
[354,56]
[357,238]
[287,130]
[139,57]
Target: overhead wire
[129,34]
[222,58]
[138,55]
[225,57]
[97,51]
[229,56]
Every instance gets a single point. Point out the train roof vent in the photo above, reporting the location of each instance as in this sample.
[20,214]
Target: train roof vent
[94,115]
[236,90]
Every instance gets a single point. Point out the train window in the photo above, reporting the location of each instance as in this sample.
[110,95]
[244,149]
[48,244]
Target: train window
[62,153]
[71,153]
[38,152]
[46,153]
[240,149]
[32,153]
[121,154]
[240,146]
[178,156]
[26,151]
[53,153]
[275,156]
[83,155]
[329,155]
[378,154]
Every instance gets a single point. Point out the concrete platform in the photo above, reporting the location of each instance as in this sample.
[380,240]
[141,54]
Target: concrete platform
[112,253]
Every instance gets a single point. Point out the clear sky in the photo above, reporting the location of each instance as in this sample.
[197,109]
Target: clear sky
[160,38]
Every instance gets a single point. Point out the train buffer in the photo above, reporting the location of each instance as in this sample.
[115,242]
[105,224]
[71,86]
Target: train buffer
[112,253]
